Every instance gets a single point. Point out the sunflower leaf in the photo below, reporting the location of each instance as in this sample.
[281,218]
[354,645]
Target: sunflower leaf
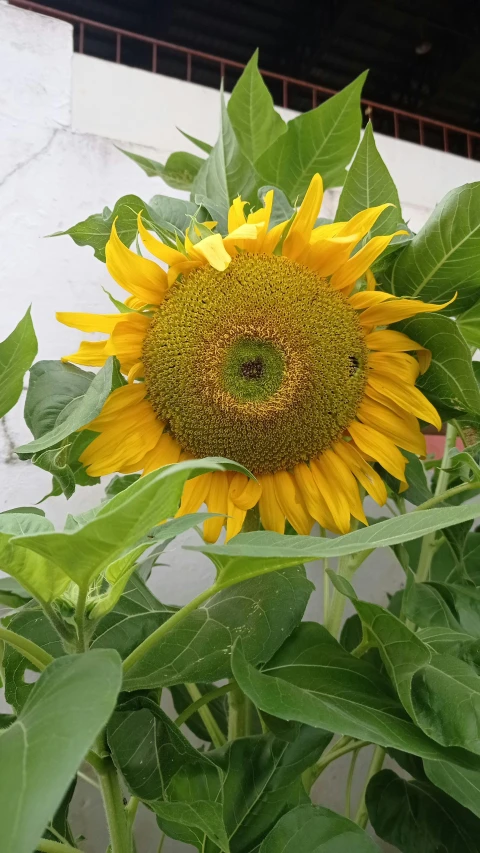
[95,230]
[42,578]
[322,140]
[314,828]
[369,184]
[204,146]
[450,380]
[179,171]
[254,119]
[469,325]
[16,356]
[444,257]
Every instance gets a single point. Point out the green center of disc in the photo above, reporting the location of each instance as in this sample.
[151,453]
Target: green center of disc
[252,370]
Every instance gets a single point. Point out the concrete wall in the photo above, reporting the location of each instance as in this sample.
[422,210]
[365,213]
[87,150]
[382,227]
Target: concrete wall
[60,115]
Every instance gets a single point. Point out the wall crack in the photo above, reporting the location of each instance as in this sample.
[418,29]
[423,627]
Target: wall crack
[30,159]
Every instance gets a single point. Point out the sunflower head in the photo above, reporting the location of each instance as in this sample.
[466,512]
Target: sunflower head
[261,346]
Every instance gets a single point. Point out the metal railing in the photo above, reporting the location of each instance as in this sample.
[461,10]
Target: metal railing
[404,124]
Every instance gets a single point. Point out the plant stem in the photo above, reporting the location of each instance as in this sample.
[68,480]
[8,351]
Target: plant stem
[428,542]
[80,619]
[162,841]
[449,493]
[347,566]
[200,704]
[342,747]
[361,817]
[87,778]
[348,789]
[114,809]
[35,654]
[167,626]
[47,846]
[239,714]
[57,622]
[96,762]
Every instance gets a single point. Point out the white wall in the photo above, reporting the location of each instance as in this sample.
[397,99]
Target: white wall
[60,115]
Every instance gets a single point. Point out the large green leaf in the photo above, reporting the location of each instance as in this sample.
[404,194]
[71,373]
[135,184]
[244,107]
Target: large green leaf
[42,578]
[262,780]
[369,184]
[16,356]
[119,524]
[160,767]
[444,257]
[322,140]
[445,605]
[415,816]
[313,680]
[461,782]
[226,172]
[450,380]
[251,554]
[30,622]
[63,400]
[444,563]
[179,171]
[176,212]
[469,325]
[95,230]
[43,748]
[315,829]
[254,120]
[261,611]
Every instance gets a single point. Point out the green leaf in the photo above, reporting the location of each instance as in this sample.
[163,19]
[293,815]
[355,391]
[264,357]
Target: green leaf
[315,829]
[161,768]
[445,605]
[262,612]
[179,171]
[282,210]
[443,564]
[342,585]
[443,257]
[68,706]
[66,408]
[16,356]
[418,488]
[450,380]
[262,780]
[218,707]
[461,782]
[254,119]
[415,816]
[313,680]
[30,622]
[217,210]
[226,173]
[175,212]
[95,230]
[369,184]
[252,554]
[117,576]
[42,578]
[204,146]
[121,522]
[323,140]
[469,325]
[12,594]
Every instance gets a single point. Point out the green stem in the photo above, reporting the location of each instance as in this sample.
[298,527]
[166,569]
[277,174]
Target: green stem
[57,622]
[342,747]
[361,817]
[347,566]
[348,789]
[114,809]
[428,543]
[47,846]
[80,619]
[200,704]
[131,812]
[239,714]
[450,493]
[35,654]
[162,842]
[98,763]
[167,626]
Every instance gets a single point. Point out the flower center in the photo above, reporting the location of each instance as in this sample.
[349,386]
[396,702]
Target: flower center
[263,363]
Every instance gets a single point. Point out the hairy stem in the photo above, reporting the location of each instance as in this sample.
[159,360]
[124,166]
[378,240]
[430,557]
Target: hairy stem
[342,747]
[347,566]
[239,714]
[449,493]
[167,626]
[200,704]
[47,846]
[114,809]
[348,789]
[361,817]
[80,619]
[428,543]
[35,654]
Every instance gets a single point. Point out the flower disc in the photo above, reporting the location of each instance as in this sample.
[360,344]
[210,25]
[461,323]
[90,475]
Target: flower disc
[263,363]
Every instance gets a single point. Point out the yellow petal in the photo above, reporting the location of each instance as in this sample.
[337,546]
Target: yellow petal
[314,501]
[398,309]
[356,266]
[301,228]
[365,474]
[340,473]
[236,239]
[390,341]
[371,282]
[331,489]
[156,248]
[327,256]
[217,501]
[399,365]
[212,250]
[244,492]
[91,322]
[166,452]
[194,494]
[236,215]
[89,353]
[262,217]
[126,340]
[324,232]
[290,502]
[364,220]
[404,432]
[140,276]
[367,298]
[235,520]
[410,399]
[271,515]
[271,240]
[135,372]
[380,448]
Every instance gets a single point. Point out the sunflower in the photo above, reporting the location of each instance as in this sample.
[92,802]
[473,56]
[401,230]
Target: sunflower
[260,347]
